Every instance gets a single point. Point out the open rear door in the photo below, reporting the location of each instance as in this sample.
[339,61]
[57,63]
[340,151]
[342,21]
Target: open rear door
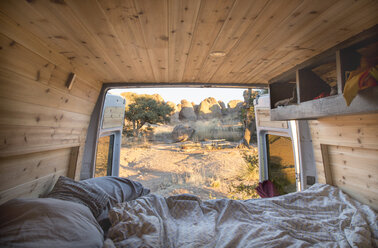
[110,137]
[278,149]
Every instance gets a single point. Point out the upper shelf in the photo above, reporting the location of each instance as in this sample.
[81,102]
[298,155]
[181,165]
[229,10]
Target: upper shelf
[314,88]
[365,102]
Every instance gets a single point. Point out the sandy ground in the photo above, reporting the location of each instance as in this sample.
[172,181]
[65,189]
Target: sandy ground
[167,169]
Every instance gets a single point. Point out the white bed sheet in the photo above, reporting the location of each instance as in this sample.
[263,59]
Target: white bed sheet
[320,216]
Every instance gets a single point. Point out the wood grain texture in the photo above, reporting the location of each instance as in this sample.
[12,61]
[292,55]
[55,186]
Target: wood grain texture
[113,117]
[263,119]
[16,58]
[16,87]
[366,101]
[211,17]
[32,189]
[22,139]
[347,147]
[154,41]
[171,41]
[19,34]
[40,119]
[352,131]
[326,164]
[15,170]
[183,15]
[14,112]
[73,163]
[355,170]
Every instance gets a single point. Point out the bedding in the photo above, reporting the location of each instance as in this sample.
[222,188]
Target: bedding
[99,194]
[70,190]
[47,222]
[73,214]
[117,190]
[321,216]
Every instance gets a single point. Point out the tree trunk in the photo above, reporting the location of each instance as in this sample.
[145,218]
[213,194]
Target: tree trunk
[247,121]
[135,130]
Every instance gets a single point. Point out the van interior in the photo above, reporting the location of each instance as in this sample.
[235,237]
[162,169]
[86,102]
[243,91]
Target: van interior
[317,59]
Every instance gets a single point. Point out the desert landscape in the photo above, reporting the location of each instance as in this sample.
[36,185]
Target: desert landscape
[198,150]
[176,168]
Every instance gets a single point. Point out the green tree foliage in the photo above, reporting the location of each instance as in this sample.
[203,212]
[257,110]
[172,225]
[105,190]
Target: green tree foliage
[248,119]
[248,112]
[146,109]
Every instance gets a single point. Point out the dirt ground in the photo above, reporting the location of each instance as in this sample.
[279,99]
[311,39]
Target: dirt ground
[167,169]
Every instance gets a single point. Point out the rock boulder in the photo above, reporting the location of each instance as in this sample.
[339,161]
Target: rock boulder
[175,113]
[182,133]
[235,106]
[209,109]
[223,107]
[187,111]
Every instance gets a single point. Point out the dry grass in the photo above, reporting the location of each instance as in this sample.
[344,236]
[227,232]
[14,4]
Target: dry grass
[161,133]
[167,169]
[210,165]
[215,129]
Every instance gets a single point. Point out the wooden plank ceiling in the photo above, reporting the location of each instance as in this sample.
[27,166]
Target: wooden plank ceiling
[171,40]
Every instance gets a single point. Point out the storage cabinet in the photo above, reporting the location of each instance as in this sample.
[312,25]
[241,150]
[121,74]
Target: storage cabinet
[314,88]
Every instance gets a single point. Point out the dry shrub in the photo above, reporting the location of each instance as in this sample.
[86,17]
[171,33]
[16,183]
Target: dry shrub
[215,129]
[249,178]
[196,178]
[162,133]
[215,183]
[251,170]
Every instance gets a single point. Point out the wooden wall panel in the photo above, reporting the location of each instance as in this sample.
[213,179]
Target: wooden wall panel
[345,151]
[355,171]
[23,139]
[43,124]
[49,20]
[113,117]
[16,170]
[15,112]
[354,131]
[263,116]
[16,87]
[35,188]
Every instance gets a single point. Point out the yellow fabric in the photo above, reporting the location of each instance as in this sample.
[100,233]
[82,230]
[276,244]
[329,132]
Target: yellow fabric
[374,72]
[351,88]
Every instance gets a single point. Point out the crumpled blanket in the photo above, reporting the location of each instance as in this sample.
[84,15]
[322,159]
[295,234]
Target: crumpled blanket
[321,216]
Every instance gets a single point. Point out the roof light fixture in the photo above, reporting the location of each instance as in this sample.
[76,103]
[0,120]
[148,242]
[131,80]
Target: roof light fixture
[217,54]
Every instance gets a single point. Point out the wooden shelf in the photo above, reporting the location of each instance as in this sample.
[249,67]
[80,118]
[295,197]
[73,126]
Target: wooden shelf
[308,80]
[365,102]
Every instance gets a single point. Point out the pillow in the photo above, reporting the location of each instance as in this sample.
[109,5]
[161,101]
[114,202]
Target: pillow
[118,190]
[46,222]
[92,197]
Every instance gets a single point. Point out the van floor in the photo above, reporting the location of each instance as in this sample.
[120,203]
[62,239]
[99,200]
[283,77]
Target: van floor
[168,169]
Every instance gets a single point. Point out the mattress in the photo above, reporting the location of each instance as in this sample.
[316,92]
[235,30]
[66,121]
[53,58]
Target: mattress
[320,216]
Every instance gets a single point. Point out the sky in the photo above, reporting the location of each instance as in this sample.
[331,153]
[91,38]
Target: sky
[195,95]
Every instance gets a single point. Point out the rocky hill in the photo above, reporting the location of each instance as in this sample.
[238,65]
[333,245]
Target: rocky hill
[186,111]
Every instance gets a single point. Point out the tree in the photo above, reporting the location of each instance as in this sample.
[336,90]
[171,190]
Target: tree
[248,117]
[146,109]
